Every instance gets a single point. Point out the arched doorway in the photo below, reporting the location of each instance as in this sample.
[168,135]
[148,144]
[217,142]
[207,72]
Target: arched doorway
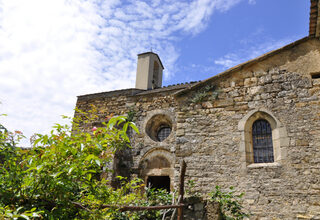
[156,169]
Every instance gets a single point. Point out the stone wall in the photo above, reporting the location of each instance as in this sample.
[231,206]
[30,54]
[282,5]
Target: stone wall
[213,134]
[199,209]
[144,105]
[289,187]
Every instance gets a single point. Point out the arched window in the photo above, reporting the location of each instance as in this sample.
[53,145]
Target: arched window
[262,142]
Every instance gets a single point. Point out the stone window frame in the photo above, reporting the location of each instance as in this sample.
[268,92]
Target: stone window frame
[151,131]
[280,138]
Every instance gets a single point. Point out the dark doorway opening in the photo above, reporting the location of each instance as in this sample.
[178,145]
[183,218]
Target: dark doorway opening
[159,182]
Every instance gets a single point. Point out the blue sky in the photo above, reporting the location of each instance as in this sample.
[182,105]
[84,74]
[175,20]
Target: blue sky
[52,51]
[245,31]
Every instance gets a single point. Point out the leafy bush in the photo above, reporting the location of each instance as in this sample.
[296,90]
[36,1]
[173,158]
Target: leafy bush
[61,176]
[229,204]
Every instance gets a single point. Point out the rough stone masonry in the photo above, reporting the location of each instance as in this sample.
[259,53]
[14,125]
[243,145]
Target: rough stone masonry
[210,123]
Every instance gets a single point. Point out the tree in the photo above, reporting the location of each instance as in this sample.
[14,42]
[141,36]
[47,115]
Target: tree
[60,177]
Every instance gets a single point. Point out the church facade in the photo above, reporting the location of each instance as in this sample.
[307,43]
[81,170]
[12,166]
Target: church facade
[255,126]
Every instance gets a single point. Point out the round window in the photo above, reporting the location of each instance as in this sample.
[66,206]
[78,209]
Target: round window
[163,133]
[159,127]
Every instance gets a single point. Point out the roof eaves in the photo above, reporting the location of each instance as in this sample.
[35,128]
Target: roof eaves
[179,86]
[128,92]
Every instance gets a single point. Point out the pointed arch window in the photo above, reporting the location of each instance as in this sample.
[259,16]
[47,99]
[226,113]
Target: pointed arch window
[264,139]
[262,142]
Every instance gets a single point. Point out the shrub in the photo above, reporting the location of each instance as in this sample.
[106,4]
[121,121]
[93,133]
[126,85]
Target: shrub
[229,204]
[61,176]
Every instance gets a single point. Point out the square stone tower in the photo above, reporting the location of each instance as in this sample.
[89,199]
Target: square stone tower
[149,71]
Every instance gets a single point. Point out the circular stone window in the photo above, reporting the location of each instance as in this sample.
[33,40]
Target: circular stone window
[159,127]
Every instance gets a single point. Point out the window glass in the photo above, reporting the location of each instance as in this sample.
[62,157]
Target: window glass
[163,133]
[262,142]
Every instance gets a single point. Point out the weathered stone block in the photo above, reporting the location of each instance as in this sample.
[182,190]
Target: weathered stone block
[207,105]
[302,142]
[223,103]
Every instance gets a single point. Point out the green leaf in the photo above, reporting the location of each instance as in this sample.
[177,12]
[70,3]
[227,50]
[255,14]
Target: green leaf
[39,168]
[56,175]
[35,215]
[125,127]
[121,119]
[99,146]
[90,157]
[70,170]
[134,127]
[24,216]
[88,171]
[81,147]
[30,169]
[112,122]
[36,141]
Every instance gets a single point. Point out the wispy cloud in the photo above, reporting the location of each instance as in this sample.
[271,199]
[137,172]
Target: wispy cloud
[252,2]
[52,51]
[252,50]
[198,12]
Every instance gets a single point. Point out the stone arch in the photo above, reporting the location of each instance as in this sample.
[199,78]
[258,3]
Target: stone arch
[280,138]
[157,162]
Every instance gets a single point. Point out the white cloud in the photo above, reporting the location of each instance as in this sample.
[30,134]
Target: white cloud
[201,10]
[52,51]
[234,58]
[252,2]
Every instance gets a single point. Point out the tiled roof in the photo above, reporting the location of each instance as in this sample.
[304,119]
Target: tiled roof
[178,86]
[134,92]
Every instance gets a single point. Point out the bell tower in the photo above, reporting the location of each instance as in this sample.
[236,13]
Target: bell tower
[149,71]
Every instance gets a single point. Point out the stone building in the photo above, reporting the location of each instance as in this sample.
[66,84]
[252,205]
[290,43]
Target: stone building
[255,126]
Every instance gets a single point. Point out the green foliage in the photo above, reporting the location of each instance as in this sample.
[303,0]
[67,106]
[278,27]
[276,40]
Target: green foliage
[151,197]
[19,213]
[61,177]
[190,189]
[229,204]
[205,92]
[131,115]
